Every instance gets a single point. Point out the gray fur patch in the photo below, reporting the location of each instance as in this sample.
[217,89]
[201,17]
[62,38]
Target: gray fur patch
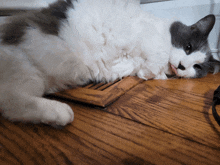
[13,32]
[182,36]
[48,20]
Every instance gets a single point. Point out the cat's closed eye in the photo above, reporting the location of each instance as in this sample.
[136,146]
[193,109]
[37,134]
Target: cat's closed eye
[197,66]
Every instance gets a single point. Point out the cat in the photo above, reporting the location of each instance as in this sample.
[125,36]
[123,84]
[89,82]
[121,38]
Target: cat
[71,43]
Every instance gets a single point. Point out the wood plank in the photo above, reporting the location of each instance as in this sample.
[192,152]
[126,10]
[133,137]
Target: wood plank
[181,107]
[103,96]
[97,137]
[156,122]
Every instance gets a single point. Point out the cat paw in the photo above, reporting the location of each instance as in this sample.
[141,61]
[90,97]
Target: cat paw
[57,114]
[161,77]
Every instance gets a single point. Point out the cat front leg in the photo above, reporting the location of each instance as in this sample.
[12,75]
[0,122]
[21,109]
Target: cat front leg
[49,112]
[24,102]
[161,76]
[38,110]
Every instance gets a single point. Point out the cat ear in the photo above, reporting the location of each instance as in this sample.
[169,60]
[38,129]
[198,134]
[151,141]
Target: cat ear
[205,25]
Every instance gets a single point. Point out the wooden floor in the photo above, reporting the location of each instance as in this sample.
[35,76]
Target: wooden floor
[156,122]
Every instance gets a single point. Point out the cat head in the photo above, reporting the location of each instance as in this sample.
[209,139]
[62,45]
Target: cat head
[191,55]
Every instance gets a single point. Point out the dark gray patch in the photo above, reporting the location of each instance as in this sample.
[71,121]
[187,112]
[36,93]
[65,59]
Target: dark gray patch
[195,35]
[202,69]
[13,32]
[182,36]
[48,20]
[209,65]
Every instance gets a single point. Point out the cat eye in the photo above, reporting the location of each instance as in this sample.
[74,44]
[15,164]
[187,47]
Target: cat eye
[188,48]
[197,66]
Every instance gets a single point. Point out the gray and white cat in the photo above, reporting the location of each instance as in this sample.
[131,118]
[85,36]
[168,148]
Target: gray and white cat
[74,42]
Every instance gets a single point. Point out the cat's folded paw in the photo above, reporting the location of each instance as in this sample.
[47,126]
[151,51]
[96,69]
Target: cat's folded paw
[57,113]
[161,77]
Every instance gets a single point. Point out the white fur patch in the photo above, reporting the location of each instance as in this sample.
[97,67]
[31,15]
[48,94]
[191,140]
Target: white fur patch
[111,38]
[178,56]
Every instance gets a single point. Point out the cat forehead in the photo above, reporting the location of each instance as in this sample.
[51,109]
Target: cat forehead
[182,36]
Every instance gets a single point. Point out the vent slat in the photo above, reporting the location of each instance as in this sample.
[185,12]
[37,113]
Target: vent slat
[100,94]
[96,86]
[104,87]
[88,86]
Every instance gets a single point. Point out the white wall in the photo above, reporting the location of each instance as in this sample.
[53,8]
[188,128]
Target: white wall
[189,12]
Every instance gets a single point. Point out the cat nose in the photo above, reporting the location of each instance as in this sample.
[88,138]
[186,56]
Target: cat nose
[181,67]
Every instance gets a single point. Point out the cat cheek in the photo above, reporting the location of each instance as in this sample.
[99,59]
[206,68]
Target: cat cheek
[188,73]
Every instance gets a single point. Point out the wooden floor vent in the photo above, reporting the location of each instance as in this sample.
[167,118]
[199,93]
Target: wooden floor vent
[100,94]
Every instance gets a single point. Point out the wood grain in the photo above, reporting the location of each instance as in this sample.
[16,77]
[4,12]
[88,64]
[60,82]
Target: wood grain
[156,122]
[181,107]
